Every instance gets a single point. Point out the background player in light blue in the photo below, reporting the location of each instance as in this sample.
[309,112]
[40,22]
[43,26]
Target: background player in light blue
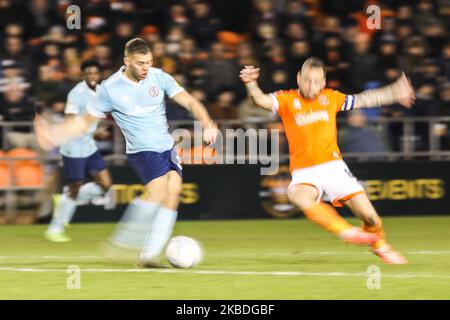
[81,158]
[135,97]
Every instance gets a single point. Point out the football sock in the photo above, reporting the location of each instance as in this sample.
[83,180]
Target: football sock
[327,217]
[89,191]
[160,232]
[63,213]
[378,229]
[135,223]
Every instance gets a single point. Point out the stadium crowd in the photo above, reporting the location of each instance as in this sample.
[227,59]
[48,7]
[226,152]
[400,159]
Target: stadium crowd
[204,43]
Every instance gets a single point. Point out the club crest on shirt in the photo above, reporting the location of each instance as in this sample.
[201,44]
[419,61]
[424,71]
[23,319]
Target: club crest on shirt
[153,91]
[297,104]
[323,100]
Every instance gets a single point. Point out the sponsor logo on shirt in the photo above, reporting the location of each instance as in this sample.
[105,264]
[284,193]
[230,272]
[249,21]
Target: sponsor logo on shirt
[303,119]
[138,110]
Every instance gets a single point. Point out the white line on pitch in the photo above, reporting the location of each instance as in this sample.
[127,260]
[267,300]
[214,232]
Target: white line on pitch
[222,254]
[238,273]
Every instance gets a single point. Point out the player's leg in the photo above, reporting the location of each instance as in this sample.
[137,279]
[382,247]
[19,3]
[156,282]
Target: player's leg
[75,171]
[165,218]
[103,179]
[63,213]
[361,206]
[306,197]
[139,214]
[95,167]
[306,190]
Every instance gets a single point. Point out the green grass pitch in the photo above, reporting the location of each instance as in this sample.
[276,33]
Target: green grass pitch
[261,259]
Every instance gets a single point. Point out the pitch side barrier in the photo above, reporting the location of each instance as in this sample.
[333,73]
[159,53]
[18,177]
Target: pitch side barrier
[240,192]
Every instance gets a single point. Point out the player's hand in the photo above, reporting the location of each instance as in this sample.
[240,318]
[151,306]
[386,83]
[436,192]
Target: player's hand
[404,91]
[249,74]
[210,133]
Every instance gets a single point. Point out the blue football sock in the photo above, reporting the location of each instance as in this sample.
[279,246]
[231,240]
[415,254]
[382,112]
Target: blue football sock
[63,213]
[89,191]
[160,232]
[135,223]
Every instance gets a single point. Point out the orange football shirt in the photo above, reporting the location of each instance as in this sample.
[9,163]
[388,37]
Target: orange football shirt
[310,125]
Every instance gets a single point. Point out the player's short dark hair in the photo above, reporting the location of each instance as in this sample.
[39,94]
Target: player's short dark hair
[137,45]
[91,63]
[313,63]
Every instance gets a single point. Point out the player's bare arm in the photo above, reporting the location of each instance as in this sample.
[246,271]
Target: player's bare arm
[51,135]
[401,91]
[199,111]
[249,75]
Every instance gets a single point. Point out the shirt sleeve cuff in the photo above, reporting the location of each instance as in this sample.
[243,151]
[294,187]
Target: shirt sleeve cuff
[95,113]
[275,103]
[181,89]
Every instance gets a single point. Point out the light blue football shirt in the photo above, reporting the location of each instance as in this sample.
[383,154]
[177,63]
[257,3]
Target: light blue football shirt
[77,102]
[139,108]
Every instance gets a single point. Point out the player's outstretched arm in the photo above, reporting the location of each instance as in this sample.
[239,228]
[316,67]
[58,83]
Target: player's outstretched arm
[51,135]
[401,91]
[187,101]
[249,75]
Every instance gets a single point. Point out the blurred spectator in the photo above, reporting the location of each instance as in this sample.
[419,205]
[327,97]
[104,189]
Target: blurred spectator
[198,75]
[444,93]
[363,64]
[266,31]
[222,72]
[15,105]
[14,49]
[47,85]
[435,37]
[247,110]
[404,31]
[296,11]
[161,59]
[264,12]
[204,43]
[103,54]
[358,136]
[173,39]
[424,15]
[296,31]
[414,55]
[123,31]
[151,34]
[41,16]
[224,106]
[298,53]
[178,15]
[444,61]
[246,55]
[187,54]
[388,53]
[12,74]
[426,105]
[204,24]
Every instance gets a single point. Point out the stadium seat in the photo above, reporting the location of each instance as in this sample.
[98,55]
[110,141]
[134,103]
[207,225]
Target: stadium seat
[26,173]
[5,172]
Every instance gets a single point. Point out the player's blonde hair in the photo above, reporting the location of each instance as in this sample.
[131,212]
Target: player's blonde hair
[313,63]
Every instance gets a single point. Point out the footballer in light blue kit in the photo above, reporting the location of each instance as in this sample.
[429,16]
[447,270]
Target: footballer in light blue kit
[81,158]
[135,97]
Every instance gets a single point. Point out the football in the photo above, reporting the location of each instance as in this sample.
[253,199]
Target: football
[184,252]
